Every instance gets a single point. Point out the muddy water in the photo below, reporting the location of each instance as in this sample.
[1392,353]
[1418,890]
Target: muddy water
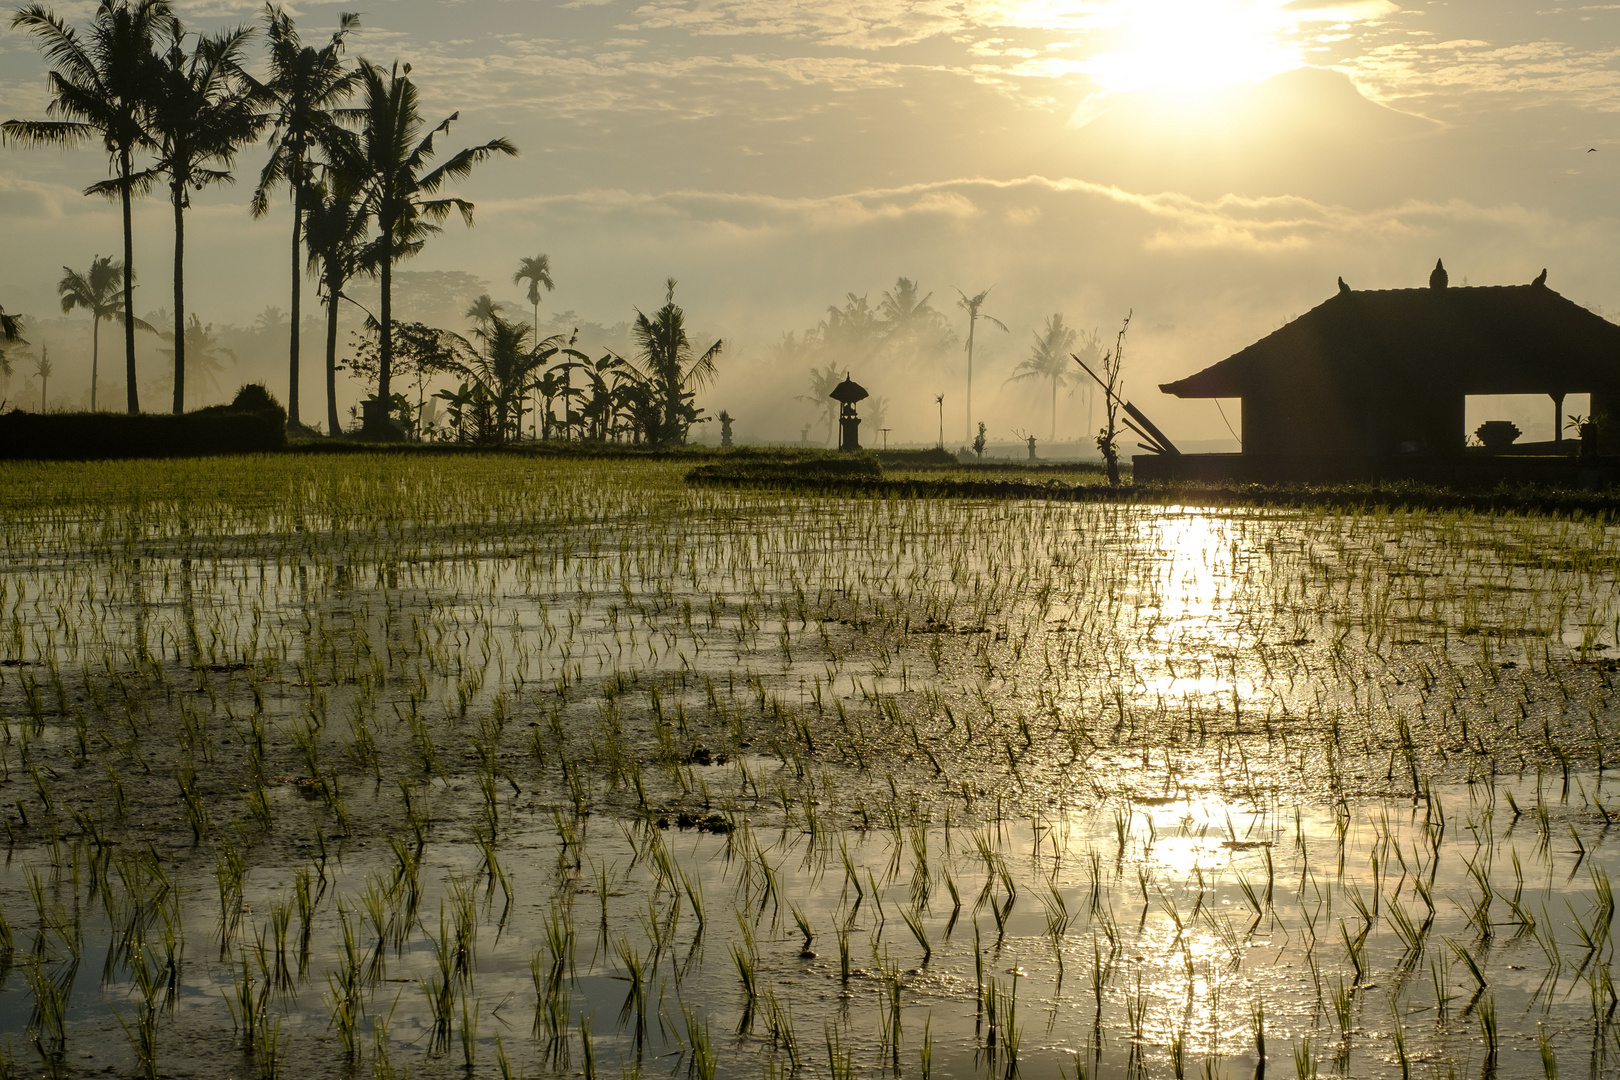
[1184,771]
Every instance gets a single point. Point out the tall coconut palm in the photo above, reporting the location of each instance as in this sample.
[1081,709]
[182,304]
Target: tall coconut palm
[101,83]
[335,225]
[390,155]
[206,107]
[1049,359]
[97,292]
[537,272]
[669,367]
[307,85]
[971,305]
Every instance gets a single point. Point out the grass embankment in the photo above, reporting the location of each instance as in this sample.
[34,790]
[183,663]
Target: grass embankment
[879,475]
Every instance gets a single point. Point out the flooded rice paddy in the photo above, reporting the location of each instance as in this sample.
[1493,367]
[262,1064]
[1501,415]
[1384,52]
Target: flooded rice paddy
[376,766]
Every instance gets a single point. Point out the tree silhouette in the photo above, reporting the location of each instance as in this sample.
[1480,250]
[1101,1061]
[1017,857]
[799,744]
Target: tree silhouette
[307,85]
[971,305]
[822,382]
[207,355]
[1049,359]
[1107,372]
[204,109]
[851,334]
[670,370]
[97,292]
[901,306]
[100,86]
[537,272]
[912,327]
[10,334]
[335,226]
[483,312]
[390,156]
[508,369]
[44,369]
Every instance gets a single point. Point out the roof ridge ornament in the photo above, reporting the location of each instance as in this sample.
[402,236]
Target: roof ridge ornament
[1439,279]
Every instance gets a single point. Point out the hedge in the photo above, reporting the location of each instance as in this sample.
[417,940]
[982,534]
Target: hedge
[253,423]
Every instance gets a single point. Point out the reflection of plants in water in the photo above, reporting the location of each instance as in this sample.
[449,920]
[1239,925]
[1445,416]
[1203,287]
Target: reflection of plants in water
[1175,729]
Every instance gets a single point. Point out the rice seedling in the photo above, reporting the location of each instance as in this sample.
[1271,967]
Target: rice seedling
[497,633]
[913,921]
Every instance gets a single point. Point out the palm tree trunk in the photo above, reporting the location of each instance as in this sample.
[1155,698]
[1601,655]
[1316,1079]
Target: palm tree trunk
[332,298]
[973,320]
[95,357]
[385,368]
[1053,437]
[177,195]
[129,284]
[292,348]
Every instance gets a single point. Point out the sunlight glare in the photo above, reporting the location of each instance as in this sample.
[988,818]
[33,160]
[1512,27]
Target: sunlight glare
[1186,47]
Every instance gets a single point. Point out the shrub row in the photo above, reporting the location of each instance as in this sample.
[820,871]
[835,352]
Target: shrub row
[253,423]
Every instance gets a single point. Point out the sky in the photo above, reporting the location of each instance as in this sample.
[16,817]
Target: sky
[1209,167]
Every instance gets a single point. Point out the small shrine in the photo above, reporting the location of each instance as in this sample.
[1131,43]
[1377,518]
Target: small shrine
[847,393]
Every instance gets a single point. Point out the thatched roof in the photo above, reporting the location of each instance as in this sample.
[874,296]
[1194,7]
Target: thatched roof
[1510,339]
[848,392]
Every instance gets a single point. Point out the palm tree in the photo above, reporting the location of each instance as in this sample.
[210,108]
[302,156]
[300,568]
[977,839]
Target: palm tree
[206,355]
[822,382]
[307,85]
[537,272]
[97,292]
[335,225]
[390,155]
[483,312]
[205,108]
[669,368]
[10,334]
[901,305]
[44,369]
[971,305]
[508,368]
[912,328]
[1049,359]
[100,87]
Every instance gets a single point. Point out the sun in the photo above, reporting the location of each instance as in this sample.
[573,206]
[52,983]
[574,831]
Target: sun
[1187,47]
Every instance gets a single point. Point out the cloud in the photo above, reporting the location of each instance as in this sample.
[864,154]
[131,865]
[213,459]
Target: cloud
[1534,70]
[1159,222]
[535,76]
[34,200]
[871,24]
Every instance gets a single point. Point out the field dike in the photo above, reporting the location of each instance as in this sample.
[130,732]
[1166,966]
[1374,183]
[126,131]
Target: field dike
[501,765]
